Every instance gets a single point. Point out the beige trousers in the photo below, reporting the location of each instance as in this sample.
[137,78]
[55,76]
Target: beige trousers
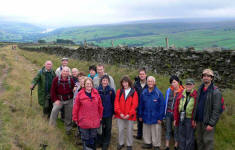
[122,124]
[152,134]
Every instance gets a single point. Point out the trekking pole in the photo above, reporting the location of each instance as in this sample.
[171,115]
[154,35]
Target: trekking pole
[43,146]
[31,97]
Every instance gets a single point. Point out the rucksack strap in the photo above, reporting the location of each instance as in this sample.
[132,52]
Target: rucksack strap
[69,81]
[121,91]
[59,78]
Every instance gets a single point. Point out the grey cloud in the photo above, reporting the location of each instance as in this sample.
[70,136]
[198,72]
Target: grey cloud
[183,8]
[124,10]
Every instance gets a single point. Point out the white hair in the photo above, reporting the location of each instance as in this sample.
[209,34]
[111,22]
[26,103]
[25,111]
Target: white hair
[151,78]
[75,69]
[65,68]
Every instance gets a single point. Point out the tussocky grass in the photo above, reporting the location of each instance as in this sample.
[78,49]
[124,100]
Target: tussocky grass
[224,135]
[26,128]
[22,126]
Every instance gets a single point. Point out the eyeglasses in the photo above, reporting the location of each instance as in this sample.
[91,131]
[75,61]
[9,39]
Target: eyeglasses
[206,75]
[189,84]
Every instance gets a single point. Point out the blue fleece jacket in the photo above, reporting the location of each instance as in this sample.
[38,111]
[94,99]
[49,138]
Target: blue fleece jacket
[151,106]
[89,75]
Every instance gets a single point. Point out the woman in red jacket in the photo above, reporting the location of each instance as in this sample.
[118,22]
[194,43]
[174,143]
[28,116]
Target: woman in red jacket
[87,113]
[125,105]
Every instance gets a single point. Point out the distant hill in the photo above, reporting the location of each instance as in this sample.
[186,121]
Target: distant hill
[19,32]
[198,33]
[181,33]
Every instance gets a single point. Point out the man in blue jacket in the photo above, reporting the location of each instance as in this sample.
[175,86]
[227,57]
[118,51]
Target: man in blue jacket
[151,112]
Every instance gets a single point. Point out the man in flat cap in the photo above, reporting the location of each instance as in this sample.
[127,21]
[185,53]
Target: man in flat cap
[64,62]
[207,111]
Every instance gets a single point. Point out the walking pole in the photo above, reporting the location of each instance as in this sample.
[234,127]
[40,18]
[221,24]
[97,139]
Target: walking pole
[31,97]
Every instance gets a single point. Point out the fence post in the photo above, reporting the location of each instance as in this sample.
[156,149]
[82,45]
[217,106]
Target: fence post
[167,44]
[112,43]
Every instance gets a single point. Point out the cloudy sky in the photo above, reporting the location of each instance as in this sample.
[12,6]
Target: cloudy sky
[88,12]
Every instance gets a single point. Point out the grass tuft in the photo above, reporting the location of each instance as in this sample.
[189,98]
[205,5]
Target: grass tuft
[24,127]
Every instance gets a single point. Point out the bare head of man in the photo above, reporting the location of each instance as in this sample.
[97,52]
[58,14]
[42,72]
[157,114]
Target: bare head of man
[142,74]
[75,72]
[48,65]
[100,70]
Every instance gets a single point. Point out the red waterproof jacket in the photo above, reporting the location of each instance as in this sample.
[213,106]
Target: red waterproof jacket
[88,112]
[126,106]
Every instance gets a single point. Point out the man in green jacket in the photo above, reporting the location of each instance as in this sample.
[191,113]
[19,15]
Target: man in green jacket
[44,79]
[207,111]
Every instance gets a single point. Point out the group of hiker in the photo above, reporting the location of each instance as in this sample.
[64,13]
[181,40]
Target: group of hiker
[92,102]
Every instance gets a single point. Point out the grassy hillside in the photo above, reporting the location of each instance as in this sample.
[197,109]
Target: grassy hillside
[19,32]
[21,126]
[24,127]
[180,34]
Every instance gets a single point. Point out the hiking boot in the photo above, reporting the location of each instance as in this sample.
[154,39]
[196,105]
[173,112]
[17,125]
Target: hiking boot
[156,148]
[129,148]
[167,148]
[147,146]
[78,142]
[119,147]
[105,147]
[138,137]
[98,145]
[91,146]
[68,132]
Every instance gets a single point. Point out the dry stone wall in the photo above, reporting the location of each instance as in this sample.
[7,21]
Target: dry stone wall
[185,62]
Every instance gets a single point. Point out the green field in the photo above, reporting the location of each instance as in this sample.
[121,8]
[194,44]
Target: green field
[181,33]
[198,35]
[19,32]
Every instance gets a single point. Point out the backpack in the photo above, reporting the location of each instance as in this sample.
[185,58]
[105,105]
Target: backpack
[69,80]
[222,105]
[222,108]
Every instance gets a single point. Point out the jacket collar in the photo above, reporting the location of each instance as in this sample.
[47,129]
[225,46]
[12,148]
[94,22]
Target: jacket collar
[93,92]
[100,88]
[137,80]
[44,69]
[208,89]
[155,90]
[193,93]
[122,91]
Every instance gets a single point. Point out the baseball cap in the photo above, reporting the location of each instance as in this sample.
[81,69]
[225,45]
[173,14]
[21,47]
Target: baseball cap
[190,81]
[64,59]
